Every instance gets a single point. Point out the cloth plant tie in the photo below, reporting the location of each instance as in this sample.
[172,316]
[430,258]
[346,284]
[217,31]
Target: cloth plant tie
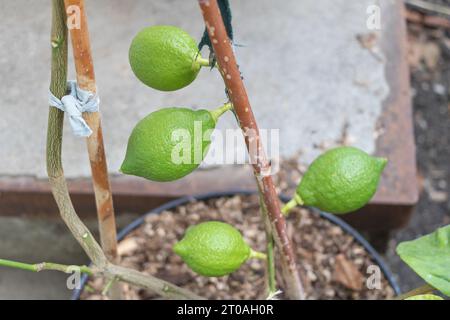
[74,104]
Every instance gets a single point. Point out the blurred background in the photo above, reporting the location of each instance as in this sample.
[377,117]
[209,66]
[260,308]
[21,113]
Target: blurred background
[323,72]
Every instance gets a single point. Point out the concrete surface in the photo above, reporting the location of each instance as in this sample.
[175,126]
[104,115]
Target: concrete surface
[301,61]
[36,241]
[40,240]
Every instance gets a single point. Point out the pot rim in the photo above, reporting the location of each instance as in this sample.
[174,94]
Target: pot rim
[210,195]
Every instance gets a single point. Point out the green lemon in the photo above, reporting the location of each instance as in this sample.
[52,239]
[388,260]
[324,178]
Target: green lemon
[165,57]
[214,249]
[425,297]
[170,143]
[340,181]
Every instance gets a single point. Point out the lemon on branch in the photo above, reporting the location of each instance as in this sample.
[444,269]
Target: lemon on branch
[339,181]
[214,249]
[170,143]
[165,58]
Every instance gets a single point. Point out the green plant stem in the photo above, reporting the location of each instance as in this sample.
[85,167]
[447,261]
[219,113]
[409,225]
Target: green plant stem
[58,86]
[108,286]
[202,61]
[221,110]
[270,248]
[272,284]
[424,289]
[81,233]
[237,93]
[257,255]
[296,201]
[37,267]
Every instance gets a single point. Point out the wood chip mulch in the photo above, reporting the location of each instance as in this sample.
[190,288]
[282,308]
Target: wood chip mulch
[332,264]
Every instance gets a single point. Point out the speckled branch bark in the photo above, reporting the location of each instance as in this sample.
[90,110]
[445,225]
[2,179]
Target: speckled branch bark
[230,72]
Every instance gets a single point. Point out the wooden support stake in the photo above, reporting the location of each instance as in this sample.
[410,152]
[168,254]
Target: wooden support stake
[77,23]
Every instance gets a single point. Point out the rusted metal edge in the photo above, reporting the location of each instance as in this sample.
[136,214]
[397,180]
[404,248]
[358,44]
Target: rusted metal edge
[399,182]
[31,196]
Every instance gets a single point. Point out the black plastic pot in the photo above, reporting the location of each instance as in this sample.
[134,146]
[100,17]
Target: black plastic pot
[181,201]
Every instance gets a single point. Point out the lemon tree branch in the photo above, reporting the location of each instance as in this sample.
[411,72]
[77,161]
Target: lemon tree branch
[261,166]
[58,182]
[113,272]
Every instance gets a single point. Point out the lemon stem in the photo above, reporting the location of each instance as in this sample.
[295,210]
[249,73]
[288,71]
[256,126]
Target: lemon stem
[202,61]
[221,110]
[296,201]
[257,255]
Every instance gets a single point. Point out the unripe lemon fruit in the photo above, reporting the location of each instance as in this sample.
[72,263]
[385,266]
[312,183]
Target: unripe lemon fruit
[214,249]
[165,57]
[170,143]
[341,180]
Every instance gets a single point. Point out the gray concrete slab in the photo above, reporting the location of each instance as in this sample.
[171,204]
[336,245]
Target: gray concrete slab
[306,74]
[34,241]
[40,240]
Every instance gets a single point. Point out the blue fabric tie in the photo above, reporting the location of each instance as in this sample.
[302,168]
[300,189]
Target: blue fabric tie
[74,104]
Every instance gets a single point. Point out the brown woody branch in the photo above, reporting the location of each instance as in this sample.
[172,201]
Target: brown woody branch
[231,75]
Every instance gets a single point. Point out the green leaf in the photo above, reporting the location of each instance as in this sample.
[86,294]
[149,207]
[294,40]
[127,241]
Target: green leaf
[429,257]
[425,297]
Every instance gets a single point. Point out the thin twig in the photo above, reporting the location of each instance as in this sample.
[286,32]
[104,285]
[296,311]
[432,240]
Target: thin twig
[270,262]
[58,182]
[235,87]
[108,286]
[113,273]
[38,267]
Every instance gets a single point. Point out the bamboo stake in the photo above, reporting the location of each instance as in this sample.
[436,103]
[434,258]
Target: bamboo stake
[86,80]
[84,67]
[261,166]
